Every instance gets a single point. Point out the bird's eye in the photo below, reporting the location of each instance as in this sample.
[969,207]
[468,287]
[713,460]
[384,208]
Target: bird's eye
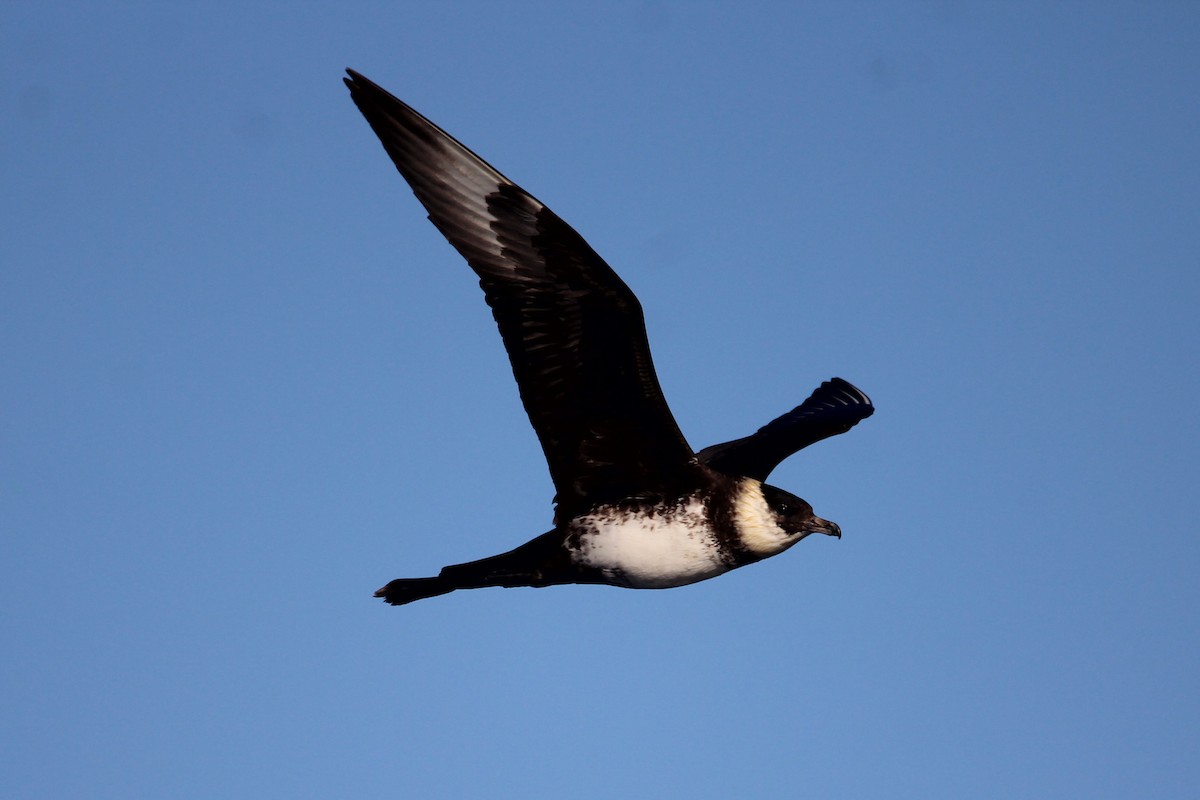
[783,508]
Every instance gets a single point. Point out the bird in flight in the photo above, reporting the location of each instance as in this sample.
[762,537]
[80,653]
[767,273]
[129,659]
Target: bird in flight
[635,506]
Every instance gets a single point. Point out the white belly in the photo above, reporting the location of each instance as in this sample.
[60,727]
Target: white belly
[655,553]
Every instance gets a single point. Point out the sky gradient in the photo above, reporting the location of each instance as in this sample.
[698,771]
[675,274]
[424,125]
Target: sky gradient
[245,383]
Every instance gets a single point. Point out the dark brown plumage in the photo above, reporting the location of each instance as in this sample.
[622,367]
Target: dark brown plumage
[635,506]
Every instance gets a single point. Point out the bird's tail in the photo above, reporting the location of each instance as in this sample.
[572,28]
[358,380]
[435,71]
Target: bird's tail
[406,590]
[532,564]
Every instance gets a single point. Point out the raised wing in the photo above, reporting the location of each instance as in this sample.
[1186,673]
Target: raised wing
[573,330]
[835,407]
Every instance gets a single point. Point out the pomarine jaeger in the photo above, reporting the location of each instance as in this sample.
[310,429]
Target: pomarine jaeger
[635,506]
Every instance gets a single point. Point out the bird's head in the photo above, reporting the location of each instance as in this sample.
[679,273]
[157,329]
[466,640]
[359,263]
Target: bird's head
[770,520]
[795,516]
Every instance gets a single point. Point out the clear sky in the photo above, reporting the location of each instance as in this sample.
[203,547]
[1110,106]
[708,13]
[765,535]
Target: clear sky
[244,383]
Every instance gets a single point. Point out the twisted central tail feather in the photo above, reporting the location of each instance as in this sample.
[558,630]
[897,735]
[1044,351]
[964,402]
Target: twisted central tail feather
[406,590]
[531,564]
[475,575]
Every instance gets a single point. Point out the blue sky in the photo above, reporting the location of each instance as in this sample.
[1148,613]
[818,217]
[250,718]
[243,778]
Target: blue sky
[245,383]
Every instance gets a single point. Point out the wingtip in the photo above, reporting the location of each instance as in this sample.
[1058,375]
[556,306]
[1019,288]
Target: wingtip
[858,395]
[356,82]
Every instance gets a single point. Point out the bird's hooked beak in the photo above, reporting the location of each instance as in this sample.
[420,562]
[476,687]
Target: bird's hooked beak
[826,527]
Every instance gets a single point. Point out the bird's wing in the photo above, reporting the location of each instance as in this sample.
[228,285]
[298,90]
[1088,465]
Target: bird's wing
[573,330]
[835,407]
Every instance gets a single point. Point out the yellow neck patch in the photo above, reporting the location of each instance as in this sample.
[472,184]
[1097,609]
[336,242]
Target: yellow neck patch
[756,521]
